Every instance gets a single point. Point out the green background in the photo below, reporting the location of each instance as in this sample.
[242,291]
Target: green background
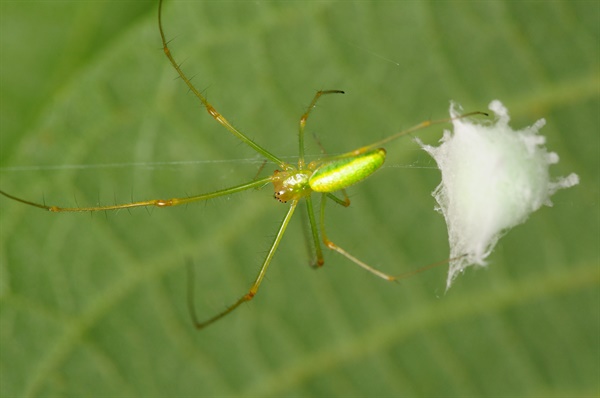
[94,305]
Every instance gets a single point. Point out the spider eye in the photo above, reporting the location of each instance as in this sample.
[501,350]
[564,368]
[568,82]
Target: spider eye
[277,195]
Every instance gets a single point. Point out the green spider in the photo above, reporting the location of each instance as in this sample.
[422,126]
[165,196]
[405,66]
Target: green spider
[291,183]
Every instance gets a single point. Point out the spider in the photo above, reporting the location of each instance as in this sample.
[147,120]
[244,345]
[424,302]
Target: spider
[291,184]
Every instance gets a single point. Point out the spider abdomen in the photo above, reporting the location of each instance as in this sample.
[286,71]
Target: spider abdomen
[341,173]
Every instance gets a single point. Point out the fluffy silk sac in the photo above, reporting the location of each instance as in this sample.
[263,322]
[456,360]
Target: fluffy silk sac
[492,179]
[339,174]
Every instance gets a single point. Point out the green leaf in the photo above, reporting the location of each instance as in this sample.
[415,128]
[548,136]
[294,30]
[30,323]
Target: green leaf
[92,112]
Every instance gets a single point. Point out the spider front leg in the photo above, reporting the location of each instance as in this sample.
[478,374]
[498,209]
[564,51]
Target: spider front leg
[160,203]
[254,288]
[209,108]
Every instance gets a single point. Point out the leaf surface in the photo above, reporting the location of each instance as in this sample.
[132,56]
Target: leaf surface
[92,112]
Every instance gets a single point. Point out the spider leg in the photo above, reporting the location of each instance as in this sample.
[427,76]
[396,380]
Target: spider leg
[383,275]
[334,247]
[314,232]
[160,203]
[303,119]
[254,288]
[209,108]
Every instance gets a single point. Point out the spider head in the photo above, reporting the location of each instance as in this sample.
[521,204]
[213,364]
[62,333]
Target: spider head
[291,184]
